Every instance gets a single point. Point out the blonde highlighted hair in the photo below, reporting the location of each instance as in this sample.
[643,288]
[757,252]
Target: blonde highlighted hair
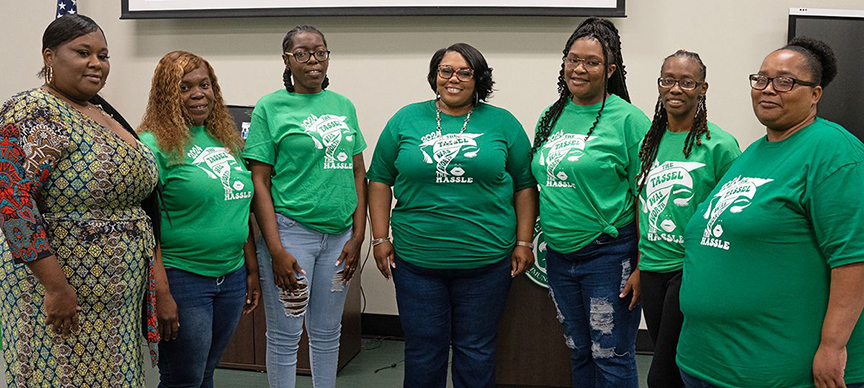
[165,116]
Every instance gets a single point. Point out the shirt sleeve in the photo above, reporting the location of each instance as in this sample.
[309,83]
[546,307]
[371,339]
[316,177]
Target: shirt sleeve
[518,155]
[149,140]
[725,155]
[383,166]
[638,125]
[359,140]
[836,210]
[30,149]
[259,142]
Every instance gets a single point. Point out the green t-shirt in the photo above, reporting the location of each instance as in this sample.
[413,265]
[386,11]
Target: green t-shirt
[758,258]
[207,198]
[454,193]
[310,140]
[675,186]
[585,186]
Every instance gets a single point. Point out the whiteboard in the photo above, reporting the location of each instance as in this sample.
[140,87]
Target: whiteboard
[149,9]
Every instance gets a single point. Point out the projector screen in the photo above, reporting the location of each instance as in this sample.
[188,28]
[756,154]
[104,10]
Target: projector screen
[843,100]
[164,9]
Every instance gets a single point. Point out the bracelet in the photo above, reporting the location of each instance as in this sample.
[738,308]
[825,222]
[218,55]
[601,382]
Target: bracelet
[525,244]
[379,241]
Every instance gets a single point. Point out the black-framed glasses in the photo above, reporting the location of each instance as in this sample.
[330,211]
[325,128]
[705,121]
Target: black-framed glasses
[463,74]
[684,83]
[588,64]
[304,56]
[781,84]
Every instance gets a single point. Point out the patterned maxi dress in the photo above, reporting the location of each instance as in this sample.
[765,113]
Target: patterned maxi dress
[72,188]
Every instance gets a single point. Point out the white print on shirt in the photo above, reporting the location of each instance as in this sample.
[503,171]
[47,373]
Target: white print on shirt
[562,145]
[218,163]
[665,181]
[736,195]
[444,150]
[329,131]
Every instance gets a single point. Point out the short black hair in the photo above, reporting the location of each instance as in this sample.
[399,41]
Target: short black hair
[64,29]
[482,71]
[820,58]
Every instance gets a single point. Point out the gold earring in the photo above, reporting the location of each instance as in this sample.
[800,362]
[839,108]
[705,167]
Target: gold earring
[49,75]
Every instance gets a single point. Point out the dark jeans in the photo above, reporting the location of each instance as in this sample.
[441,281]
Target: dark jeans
[458,307]
[598,326]
[694,382]
[209,310]
[664,319]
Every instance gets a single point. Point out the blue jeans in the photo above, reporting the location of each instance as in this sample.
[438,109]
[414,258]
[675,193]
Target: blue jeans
[459,307]
[316,253]
[209,309]
[598,326]
[695,382]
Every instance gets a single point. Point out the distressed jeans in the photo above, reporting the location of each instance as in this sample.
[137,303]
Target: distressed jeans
[320,304]
[443,307]
[598,327]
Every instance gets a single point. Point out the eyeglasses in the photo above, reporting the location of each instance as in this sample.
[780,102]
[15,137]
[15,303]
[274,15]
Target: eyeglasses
[447,72]
[304,56]
[588,64]
[685,84]
[781,84]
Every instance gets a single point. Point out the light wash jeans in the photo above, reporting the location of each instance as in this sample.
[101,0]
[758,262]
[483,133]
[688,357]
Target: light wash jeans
[316,253]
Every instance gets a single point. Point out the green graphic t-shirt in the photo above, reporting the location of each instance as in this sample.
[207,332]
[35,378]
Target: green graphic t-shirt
[207,198]
[758,258]
[675,186]
[310,140]
[585,188]
[454,193]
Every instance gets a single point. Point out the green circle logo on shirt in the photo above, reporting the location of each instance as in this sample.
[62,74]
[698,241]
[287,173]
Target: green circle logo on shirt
[537,272]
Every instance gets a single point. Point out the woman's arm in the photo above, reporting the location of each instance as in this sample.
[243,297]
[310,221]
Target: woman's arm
[253,285]
[284,264]
[380,197]
[61,305]
[351,251]
[845,303]
[525,202]
[166,308]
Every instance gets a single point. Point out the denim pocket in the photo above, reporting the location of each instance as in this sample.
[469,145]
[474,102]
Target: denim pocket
[284,222]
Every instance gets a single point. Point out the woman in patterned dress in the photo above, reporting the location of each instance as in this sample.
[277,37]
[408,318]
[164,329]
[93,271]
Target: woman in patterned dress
[77,245]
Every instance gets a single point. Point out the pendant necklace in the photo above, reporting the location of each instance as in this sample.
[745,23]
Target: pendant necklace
[438,119]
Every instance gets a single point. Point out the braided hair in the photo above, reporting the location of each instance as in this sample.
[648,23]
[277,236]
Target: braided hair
[604,32]
[651,143]
[287,43]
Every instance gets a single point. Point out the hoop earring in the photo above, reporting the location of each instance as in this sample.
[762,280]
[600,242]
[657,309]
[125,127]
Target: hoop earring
[49,75]
[476,98]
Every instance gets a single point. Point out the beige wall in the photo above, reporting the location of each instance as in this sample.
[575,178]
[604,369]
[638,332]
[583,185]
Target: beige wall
[380,62]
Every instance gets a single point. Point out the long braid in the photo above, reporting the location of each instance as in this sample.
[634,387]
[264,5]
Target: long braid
[287,43]
[651,143]
[604,32]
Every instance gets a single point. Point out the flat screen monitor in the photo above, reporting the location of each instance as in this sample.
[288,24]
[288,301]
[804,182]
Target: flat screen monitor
[843,100]
[242,118]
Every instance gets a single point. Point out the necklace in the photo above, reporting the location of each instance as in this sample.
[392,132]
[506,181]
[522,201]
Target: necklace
[438,119]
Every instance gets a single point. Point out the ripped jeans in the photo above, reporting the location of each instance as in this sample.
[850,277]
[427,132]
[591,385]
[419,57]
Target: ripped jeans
[598,326]
[321,307]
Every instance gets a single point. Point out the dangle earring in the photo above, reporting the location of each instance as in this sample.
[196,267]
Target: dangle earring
[476,98]
[49,75]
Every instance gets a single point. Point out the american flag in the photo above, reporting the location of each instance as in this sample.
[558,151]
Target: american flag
[65,7]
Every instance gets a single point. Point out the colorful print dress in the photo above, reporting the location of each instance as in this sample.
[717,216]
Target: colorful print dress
[72,188]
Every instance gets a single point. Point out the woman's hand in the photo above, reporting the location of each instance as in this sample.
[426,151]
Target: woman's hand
[828,366]
[523,258]
[61,308]
[166,313]
[350,255]
[284,267]
[253,292]
[633,284]
[384,258]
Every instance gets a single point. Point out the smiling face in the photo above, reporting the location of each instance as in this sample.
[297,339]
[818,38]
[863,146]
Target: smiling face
[196,95]
[677,101]
[454,92]
[585,81]
[780,111]
[80,66]
[308,77]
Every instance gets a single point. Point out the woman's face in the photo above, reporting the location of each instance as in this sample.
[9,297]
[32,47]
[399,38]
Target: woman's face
[80,66]
[196,94]
[585,71]
[780,111]
[677,101]
[308,76]
[455,92]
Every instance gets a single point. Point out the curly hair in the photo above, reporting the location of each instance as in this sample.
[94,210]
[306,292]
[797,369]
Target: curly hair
[482,71]
[605,32]
[165,116]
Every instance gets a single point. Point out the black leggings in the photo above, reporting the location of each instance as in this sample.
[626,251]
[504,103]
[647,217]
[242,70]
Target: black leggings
[663,317]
